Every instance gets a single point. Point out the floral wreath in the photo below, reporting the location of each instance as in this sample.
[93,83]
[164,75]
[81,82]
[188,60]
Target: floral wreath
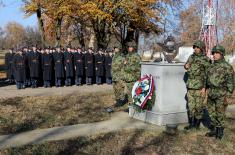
[143,93]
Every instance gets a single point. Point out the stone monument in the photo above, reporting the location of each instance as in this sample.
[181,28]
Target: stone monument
[170,90]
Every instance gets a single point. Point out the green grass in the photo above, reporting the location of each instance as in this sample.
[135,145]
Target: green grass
[28,113]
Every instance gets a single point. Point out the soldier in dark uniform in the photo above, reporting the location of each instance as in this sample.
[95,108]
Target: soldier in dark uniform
[68,66]
[19,68]
[89,66]
[40,77]
[34,66]
[9,66]
[58,66]
[26,54]
[47,67]
[78,66]
[52,51]
[99,66]
[108,64]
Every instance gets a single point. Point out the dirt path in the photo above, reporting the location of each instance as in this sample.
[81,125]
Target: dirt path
[11,91]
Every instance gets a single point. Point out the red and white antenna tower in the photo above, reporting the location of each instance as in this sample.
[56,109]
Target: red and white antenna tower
[209,25]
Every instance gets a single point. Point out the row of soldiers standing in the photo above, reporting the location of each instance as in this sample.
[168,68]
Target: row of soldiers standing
[30,67]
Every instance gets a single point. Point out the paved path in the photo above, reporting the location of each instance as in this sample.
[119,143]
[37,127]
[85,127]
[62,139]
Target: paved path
[118,121]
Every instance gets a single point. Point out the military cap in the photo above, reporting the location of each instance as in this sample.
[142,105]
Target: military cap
[131,44]
[117,45]
[218,48]
[19,50]
[108,50]
[200,44]
[35,45]
[100,49]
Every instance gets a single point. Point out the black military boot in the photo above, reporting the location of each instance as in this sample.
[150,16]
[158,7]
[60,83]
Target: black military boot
[212,132]
[219,132]
[121,102]
[197,123]
[191,123]
[118,103]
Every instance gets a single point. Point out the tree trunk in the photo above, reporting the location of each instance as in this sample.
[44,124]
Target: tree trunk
[41,26]
[102,33]
[81,37]
[58,31]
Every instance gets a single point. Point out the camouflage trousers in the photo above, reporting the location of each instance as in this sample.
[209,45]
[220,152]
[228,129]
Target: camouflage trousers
[129,86]
[195,104]
[216,108]
[119,90]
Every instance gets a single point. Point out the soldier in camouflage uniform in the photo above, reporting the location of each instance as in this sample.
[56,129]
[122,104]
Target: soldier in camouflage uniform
[131,68]
[220,81]
[196,67]
[117,72]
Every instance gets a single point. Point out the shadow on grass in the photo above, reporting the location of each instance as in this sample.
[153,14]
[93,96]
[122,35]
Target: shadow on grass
[11,127]
[163,142]
[128,143]
[25,114]
[98,145]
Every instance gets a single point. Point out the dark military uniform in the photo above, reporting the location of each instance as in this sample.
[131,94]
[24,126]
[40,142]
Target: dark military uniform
[99,68]
[89,66]
[28,80]
[59,67]
[69,69]
[220,81]
[20,72]
[108,63]
[34,66]
[9,66]
[79,67]
[47,68]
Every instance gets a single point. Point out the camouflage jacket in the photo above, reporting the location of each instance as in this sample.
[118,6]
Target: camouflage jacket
[132,67]
[117,69]
[220,79]
[197,71]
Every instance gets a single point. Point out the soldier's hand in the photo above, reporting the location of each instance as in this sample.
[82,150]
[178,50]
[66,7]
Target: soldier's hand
[125,62]
[187,66]
[96,68]
[203,91]
[228,99]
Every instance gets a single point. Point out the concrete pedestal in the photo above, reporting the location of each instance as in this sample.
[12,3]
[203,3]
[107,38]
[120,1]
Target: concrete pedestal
[170,91]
